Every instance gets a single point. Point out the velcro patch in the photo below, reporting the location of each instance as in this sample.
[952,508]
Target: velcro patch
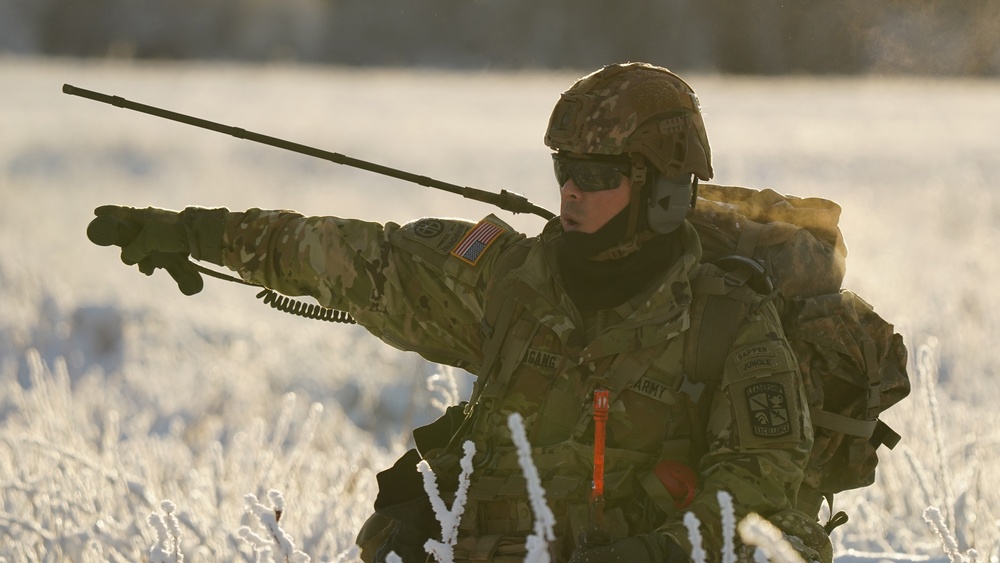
[476,241]
[755,351]
[768,408]
[653,389]
[438,234]
[758,356]
[541,358]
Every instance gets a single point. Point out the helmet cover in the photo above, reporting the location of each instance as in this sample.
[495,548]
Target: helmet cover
[630,108]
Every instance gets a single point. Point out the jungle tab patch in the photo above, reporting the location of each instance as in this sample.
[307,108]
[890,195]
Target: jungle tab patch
[758,356]
[768,408]
[475,242]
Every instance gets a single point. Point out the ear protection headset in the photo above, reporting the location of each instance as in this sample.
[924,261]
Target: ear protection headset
[668,202]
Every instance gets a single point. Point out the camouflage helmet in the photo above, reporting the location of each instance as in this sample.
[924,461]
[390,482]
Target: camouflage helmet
[624,109]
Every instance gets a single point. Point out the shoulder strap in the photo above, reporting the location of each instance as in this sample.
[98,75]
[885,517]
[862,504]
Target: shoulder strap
[722,298]
[498,310]
[721,303]
[493,334]
[499,313]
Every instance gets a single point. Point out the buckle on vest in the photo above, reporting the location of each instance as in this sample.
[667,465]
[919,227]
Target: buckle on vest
[740,270]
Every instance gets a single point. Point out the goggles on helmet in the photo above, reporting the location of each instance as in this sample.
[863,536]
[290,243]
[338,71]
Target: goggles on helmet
[589,174]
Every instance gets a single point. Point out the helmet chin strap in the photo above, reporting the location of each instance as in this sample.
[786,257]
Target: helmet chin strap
[638,178]
[633,237]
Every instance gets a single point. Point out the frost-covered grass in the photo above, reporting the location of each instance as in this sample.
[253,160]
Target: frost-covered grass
[118,393]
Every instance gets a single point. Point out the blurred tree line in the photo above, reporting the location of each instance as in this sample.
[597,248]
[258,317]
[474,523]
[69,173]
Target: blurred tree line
[748,36]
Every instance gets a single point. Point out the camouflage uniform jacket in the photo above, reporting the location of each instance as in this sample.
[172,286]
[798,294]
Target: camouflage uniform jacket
[423,287]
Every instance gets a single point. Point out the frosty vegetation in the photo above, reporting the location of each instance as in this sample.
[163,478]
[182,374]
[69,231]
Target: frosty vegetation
[536,543]
[117,393]
[449,518]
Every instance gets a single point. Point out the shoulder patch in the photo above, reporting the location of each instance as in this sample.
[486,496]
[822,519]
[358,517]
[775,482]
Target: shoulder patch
[439,234]
[758,356]
[750,361]
[768,408]
[475,242]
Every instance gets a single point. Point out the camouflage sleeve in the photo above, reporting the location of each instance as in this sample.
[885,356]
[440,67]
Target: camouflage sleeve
[759,434]
[418,287]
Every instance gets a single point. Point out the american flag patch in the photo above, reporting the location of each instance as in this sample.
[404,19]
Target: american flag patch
[476,241]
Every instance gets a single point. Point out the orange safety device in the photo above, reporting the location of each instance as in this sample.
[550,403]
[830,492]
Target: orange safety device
[601,400]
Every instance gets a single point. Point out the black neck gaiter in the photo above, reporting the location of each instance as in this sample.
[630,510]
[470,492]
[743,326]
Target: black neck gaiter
[603,284]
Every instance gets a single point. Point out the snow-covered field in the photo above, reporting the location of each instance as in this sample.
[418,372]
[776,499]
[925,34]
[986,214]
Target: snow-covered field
[117,392]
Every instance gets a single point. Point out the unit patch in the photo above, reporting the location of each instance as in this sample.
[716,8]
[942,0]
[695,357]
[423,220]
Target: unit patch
[768,409]
[428,228]
[541,358]
[476,241]
[440,235]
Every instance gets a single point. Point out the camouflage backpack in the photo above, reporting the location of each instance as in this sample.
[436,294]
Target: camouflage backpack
[852,363]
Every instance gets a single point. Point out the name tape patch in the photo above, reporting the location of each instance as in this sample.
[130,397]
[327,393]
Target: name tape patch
[541,358]
[652,389]
[476,241]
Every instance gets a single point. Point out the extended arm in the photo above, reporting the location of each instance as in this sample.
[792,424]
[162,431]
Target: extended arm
[403,283]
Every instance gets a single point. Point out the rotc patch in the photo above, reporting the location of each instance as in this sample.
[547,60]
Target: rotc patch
[476,241]
[768,409]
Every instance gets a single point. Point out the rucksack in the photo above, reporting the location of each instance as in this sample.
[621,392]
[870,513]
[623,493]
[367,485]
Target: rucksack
[853,365]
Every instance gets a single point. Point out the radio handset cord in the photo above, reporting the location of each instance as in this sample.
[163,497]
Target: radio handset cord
[307,310]
[109,231]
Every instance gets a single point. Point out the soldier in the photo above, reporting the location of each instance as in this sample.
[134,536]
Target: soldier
[602,298]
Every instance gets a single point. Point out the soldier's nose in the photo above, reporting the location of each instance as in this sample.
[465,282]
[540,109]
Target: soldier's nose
[570,190]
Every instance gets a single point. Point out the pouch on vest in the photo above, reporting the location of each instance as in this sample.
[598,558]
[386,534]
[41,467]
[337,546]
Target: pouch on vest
[853,368]
[401,499]
[402,484]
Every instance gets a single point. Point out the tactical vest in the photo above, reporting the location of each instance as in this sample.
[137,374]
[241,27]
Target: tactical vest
[638,500]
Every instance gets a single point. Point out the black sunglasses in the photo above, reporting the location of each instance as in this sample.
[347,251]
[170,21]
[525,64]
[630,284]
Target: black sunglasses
[589,174]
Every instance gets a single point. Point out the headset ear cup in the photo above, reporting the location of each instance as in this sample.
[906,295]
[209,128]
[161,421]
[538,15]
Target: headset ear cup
[668,204]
